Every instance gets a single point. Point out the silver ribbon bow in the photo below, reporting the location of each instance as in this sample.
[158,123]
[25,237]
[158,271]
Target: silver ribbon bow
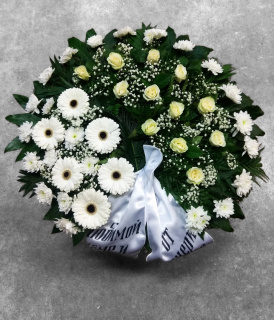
[146,206]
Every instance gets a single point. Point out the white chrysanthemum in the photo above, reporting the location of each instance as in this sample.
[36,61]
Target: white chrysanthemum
[103,135]
[116,176]
[64,202]
[252,147]
[243,183]
[73,103]
[73,136]
[224,208]
[213,66]
[32,104]
[45,75]
[66,174]
[95,41]
[47,106]
[44,194]
[48,132]
[31,162]
[25,131]
[184,45]
[89,165]
[91,209]
[244,122]
[124,32]
[66,226]
[197,219]
[232,92]
[151,34]
[67,55]
[50,158]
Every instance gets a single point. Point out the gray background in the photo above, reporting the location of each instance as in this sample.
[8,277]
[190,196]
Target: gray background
[43,276]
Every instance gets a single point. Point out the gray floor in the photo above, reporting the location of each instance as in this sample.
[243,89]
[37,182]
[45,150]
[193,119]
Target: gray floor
[42,275]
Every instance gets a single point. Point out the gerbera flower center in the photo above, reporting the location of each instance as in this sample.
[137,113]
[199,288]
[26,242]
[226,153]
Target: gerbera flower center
[73,103]
[67,174]
[48,133]
[103,135]
[116,175]
[91,208]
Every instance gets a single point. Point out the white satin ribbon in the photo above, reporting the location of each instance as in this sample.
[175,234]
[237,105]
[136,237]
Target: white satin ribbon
[146,204]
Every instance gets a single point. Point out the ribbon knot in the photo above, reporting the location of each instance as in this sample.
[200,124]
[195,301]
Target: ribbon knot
[146,204]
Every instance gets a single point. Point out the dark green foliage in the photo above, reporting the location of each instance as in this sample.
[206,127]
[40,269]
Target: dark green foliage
[221,223]
[90,33]
[84,51]
[28,181]
[53,212]
[19,119]
[77,238]
[15,144]
[238,213]
[22,100]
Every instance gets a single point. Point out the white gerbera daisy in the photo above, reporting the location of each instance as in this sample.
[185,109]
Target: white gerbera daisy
[95,41]
[25,131]
[244,122]
[232,92]
[66,226]
[64,202]
[48,132]
[152,34]
[89,165]
[103,135]
[91,209]
[224,208]
[73,103]
[31,162]
[124,32]
[67,55]
[213,66]
[44,194]
[32,104]
[47,106]
[73,136]
[45,75]
[116,176]
[197,219]
[243,183]
[252,147]
[50,158]
[66,174]
[184,45]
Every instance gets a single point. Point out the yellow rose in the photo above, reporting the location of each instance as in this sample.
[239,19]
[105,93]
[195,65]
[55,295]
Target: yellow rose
[217,139]
[120,89]
[180,73]
[152,93]
[150,127]
[115,60]
[82,73]
[195,175]
[178,145]
[176,109]
[153,56]
[206,105]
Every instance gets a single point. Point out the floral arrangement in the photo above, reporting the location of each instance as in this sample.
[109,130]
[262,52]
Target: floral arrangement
[83,129]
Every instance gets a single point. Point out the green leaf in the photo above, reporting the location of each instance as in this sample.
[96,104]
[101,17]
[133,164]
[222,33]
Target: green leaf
[78,237]
[193,152]
[22,100]
[15,144]
[194,65]
[196,140]
[84,50]
[183,61]
[256,131]
[42,91]
[140,56]
[109,42]
[114,109]
[200,52]
[53,212]
[90,33]
[182,37]
[162,80]
[254,111]
[221,223]
[238,213]
[19,119]
[30,147]
[167,46]
[55,230]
